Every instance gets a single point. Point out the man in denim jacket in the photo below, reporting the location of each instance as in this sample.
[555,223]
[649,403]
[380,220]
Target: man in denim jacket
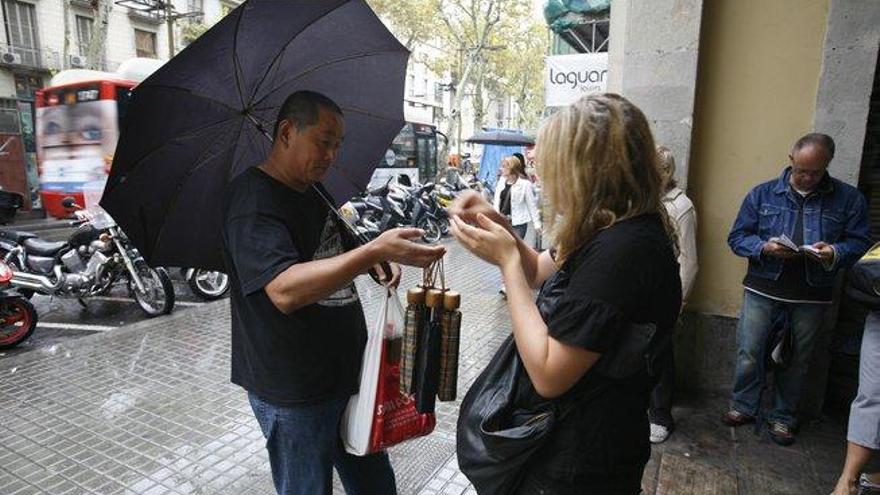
[813,209]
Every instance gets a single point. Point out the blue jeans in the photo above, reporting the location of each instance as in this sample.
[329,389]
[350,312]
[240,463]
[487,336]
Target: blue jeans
[304,446]
[752,335]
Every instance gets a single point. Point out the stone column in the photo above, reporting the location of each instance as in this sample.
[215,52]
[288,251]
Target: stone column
[848,64]
[653,54]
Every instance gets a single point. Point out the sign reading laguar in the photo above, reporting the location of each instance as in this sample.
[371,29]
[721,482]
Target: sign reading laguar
[568,77]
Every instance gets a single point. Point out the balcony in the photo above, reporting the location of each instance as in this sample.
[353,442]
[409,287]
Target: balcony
[154,17]
[28,58]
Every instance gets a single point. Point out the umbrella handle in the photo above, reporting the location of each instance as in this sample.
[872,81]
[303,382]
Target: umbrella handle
[385,266]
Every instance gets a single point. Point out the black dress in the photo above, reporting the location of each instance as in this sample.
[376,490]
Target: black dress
[626,273]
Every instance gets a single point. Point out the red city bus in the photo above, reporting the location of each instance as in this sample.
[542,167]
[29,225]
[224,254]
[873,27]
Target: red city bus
[77,129]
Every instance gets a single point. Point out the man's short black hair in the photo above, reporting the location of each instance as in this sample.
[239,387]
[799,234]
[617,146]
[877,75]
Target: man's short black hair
[815,139]
[301,109]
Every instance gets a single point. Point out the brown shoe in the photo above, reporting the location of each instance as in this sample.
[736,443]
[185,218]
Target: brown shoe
[734,418]
[781,433]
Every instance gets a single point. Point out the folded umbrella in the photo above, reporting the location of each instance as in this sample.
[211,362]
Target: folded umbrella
[206,116]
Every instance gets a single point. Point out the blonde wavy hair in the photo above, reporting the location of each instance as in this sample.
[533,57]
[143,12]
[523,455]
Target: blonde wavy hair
[514,165]
[597,161]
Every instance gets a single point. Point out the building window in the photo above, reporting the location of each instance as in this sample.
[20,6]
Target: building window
[9,121]
[21,30]
[84,27]
[26,85]
[411,85]
[145,43]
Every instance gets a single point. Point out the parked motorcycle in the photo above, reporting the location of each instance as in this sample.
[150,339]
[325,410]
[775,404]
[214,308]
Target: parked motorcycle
[95,256]
[395,205]
[18,318]
[207,284]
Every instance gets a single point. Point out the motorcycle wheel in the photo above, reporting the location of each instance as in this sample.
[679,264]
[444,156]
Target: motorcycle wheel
[209,285]
[158,296]
[432,230]
[443,223]
[18,319]
[25,293]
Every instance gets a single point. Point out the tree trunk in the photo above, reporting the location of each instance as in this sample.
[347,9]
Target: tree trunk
[479,107]
[460,88]
[95,53]
[65,51]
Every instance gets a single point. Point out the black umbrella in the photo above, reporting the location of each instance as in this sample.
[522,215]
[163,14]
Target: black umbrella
[206,116]
[501,138]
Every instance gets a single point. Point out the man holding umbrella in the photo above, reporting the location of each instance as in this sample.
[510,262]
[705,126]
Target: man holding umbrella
[298,330]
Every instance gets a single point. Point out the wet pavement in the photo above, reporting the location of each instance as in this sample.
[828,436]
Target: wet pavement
[148,409]
[63,319]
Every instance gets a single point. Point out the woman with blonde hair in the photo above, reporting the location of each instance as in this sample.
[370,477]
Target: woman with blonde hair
[515,197]
[612,266]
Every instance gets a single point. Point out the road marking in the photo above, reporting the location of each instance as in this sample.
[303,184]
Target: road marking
[130,300]
[76,326]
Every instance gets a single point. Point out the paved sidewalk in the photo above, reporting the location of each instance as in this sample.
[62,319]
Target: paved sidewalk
[149,409]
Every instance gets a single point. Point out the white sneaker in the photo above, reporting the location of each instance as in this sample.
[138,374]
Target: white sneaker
[659,433]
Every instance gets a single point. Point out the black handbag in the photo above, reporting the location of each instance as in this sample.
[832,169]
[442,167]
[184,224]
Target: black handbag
[494,439]
[497,434]
[863,283]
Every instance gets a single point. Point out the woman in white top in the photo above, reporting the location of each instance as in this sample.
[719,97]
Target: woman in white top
[684,218]
[515,197]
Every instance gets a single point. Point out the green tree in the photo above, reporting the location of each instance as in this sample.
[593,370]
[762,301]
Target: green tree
[413,22]
[190,31]
[468,35]
[518,71]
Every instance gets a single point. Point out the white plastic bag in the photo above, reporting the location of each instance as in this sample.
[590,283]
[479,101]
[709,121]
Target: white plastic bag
[357,421]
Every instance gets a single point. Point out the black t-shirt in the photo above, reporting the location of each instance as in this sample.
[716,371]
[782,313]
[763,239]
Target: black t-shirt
[315,352]
[505,199]
[625,274]
[792,283]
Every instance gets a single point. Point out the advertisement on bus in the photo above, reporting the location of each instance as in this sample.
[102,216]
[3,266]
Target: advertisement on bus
[77,131]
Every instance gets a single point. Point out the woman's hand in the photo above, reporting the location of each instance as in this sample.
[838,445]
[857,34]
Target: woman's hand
[469,204]
[490,241]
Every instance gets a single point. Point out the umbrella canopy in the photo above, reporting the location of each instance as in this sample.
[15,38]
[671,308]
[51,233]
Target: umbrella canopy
[206,115]
[502,138]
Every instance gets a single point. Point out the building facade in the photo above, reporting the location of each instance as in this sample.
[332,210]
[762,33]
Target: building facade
[729,86]
[42,37]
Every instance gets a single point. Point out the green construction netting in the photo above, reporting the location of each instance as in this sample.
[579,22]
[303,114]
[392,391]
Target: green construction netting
[555,10]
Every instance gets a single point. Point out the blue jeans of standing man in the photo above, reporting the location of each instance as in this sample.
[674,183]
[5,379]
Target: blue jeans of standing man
[752,335]
[304,446]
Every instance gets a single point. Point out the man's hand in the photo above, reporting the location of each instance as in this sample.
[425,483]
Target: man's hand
[383,277]
[397,245]
[777,250]
[469,204]
[826,252]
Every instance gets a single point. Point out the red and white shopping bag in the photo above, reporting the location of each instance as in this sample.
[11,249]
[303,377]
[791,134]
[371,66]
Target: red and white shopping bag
[379,415]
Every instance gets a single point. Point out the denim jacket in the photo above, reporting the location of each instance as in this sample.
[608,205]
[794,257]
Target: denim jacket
[837,215]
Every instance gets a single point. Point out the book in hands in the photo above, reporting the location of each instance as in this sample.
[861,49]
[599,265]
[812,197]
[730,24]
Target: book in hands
[805,249]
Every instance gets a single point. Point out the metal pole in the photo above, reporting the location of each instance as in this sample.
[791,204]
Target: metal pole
[461,104]
[169,20]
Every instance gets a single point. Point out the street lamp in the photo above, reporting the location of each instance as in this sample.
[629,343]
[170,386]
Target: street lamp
[163,10]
